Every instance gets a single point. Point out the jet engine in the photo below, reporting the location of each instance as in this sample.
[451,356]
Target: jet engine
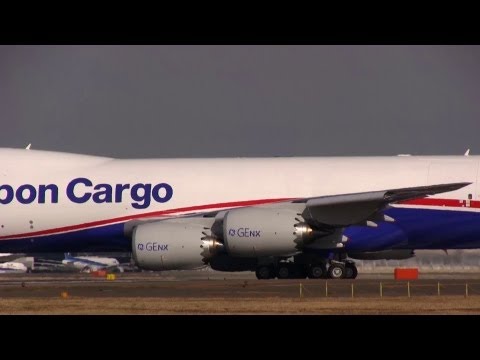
[252,232]
[173,245]
[233,240]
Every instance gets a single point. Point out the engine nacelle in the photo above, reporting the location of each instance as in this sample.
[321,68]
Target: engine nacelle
[173,245]
[252,232]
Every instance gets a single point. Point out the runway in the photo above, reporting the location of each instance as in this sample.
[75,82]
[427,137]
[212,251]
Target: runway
[154,285]
[201,293]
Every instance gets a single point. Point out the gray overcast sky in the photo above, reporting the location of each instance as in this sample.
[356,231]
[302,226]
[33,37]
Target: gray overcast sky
[207,101]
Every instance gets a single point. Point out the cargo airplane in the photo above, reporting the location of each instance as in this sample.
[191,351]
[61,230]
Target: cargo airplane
[280,217]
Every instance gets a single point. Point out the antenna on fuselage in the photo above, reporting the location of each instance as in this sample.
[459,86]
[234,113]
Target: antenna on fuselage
[28,146]
[467,153]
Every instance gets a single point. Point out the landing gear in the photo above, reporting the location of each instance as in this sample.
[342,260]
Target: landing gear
[317,271]
[351,271]
[284,272]
[342,270]
[289,270]
[264,272]
[313,268]
[336,271]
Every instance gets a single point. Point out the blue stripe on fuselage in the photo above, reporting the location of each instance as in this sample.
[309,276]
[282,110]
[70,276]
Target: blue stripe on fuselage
[414,228]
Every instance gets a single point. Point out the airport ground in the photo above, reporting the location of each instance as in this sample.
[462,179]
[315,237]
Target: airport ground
[202,292]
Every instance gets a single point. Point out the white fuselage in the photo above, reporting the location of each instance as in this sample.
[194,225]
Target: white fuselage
[47,193]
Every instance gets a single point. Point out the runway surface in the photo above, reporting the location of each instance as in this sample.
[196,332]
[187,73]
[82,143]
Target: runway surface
[155,285]
[200,292]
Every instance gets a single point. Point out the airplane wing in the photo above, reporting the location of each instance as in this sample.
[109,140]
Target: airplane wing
[330,215]
[319,221]
[352,209]
[333,211]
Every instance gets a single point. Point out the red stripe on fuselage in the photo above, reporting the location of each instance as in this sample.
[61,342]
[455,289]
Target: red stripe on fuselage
[442,202]
[144,215]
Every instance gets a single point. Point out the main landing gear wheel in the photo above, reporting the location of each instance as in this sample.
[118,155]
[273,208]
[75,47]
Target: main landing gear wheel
[336,271]
[264,272]
[317,271]
[351,271]
[283,272]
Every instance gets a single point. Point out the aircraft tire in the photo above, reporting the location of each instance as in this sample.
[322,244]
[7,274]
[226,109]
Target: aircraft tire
[316,271]
[264,273]
[283,272]
[336,271]
[351,271]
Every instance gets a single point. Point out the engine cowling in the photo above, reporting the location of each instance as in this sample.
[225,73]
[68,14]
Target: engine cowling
[171,245]
[252,232]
